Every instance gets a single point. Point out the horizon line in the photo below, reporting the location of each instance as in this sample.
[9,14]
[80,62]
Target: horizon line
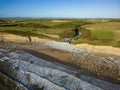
[58,18]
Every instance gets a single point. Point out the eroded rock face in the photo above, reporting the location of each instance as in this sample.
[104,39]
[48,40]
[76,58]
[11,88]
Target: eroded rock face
[31,71]
[102,65]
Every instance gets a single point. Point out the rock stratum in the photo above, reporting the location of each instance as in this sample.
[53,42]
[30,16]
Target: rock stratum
[104,65]
[33,73]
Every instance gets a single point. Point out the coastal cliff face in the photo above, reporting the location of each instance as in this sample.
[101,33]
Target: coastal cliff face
[32,73]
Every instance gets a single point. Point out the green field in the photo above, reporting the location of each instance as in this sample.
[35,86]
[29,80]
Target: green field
[97,32]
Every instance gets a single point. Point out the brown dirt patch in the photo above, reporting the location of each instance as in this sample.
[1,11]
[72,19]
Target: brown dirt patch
[108,50]
[60,21]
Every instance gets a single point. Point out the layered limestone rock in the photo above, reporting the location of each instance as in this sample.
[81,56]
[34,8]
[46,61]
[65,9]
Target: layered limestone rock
[102,65]
[32,72]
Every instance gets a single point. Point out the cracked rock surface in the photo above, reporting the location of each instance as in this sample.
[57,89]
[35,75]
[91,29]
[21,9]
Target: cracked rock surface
[31,72]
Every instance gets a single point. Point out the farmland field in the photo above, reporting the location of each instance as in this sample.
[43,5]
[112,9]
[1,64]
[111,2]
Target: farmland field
[97,32]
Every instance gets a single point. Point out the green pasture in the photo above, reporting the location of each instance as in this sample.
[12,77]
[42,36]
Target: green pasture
[98,32]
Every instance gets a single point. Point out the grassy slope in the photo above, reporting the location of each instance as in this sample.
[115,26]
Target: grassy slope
[108,32]
[109,26]
[103,32]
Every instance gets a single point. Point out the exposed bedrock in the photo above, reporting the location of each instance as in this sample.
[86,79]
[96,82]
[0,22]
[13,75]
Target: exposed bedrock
[32,72]
[104,65]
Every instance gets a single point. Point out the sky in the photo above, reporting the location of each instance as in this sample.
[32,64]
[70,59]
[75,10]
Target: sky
[60,8]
